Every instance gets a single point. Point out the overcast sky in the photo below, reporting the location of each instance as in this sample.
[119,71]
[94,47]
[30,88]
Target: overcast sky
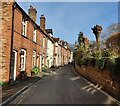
[67,19]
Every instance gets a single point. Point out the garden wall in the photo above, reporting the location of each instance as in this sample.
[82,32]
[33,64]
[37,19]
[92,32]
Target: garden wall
[102,78]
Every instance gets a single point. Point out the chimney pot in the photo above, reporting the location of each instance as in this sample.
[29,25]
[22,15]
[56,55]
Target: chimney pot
[42,22]
[32,13]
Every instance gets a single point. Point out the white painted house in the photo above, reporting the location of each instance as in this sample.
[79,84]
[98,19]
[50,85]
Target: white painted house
[71,57]
[56,51]
[50,49]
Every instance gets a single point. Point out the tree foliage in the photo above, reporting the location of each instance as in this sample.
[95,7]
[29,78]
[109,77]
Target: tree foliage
[113,28]
[80,38]
[113,44]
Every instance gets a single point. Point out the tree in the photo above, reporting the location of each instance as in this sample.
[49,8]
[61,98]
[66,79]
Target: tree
[80,38]
[97,30]
[113,28]
[113,44]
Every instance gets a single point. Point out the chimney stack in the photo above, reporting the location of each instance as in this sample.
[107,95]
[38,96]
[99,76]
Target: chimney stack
[42,22]
[32,13]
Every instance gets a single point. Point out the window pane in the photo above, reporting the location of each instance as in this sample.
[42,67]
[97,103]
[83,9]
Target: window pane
[22,60]
[34,59]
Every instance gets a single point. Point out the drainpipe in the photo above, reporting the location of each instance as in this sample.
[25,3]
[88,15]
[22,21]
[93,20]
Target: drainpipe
[12,35]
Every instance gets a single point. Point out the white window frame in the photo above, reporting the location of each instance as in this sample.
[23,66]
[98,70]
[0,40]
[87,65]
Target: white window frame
[44,42]
[15,64]
[35,35]
[34,58]
[23,60]
[24,27]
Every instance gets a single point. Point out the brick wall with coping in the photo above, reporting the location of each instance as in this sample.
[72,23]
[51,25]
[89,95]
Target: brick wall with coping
[101,78]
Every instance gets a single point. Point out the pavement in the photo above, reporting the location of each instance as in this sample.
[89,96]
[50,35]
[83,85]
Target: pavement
[11,91]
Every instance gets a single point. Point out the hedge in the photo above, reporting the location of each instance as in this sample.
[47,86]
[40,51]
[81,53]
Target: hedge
[113,65]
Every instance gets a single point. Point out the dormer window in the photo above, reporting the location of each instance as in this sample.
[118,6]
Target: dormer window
[34,35]
[24,26]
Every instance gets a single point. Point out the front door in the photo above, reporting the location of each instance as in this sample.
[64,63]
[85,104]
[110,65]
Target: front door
[13,66]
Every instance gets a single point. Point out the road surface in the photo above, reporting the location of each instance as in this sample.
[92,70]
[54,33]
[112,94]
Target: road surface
[64,86]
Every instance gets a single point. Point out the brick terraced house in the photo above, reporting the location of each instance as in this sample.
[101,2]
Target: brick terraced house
[62,53]
[24,43]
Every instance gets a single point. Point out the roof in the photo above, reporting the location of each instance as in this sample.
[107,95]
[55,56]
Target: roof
[69,49]
[50,38]
[64,43]
[56,39]
[49,31]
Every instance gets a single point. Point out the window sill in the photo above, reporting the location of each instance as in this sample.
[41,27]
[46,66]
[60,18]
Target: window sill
[25,36]
[34,42]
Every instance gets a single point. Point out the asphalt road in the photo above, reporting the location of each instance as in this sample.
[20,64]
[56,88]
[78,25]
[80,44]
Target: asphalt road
[64,86]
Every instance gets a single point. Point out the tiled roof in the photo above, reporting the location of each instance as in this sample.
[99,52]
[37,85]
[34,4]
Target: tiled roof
[49,31]
[56,39]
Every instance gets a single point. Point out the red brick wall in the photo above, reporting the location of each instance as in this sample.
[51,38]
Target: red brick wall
[102,78]
[6,40]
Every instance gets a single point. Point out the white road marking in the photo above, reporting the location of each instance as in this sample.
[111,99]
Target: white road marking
[96,86]
[93,91]
[88,89]
[75,78]
[87,86]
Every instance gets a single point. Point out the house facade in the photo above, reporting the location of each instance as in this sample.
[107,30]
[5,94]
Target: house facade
[57,52]
[62,52]
[50,49]
[24,43]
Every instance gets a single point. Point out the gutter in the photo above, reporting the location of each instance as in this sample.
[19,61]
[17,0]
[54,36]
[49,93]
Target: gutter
[12,35]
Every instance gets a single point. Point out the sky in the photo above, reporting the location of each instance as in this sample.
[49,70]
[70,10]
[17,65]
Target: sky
[67,19]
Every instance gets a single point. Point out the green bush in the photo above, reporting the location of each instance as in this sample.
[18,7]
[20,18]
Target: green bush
[95,55]
[80,61]
[100,64]
[112,66]
[86,61]
[106,59]
[105,53]
[114,69]
[35,70]
[3,83]
[45,68]
[117,65]
[92,62]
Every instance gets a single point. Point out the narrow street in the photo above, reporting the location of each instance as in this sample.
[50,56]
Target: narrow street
[63,86]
